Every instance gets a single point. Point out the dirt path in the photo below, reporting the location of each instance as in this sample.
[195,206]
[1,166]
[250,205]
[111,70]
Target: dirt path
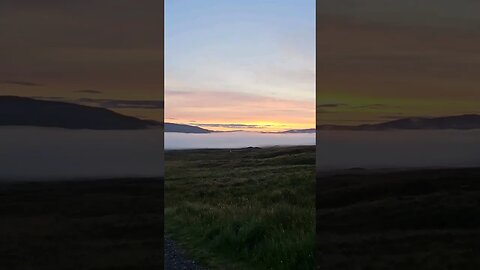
[175,258]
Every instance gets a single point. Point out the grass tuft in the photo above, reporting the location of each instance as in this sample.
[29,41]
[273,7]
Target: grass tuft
[245,209]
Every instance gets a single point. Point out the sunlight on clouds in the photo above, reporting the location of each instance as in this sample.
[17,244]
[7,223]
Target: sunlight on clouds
[254,69]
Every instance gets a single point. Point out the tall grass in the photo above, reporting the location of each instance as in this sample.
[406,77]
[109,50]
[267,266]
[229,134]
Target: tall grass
[418,219]
[244,209]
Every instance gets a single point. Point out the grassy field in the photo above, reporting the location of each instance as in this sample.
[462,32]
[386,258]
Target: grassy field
[427,220]
[76,225]
[243,209]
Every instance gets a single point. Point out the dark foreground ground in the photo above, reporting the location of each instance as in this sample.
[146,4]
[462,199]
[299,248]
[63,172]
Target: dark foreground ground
[103,224]
[246,208]
[176,259]
[426,219]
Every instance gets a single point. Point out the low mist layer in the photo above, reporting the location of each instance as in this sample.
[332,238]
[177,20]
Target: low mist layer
[397,149]
[235,140]
[32,153]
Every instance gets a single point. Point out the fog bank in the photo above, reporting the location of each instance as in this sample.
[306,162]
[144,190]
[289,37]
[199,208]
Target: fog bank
[397,149]
[33,153]
[235,140]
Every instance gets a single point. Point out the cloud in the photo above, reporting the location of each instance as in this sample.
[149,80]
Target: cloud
[212,99]
[68,45]
[89,91]
[81,24]
[110,103]
[391,61]
[321,110]
[331,105]
[441,14]
[233,125]
[393,117]
[235,107]
[22,83]
[371,106]
[48,98]
[123,104]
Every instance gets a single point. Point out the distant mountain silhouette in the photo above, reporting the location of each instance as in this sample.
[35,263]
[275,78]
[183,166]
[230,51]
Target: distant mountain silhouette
[171,127]
[462,122]
[292,131]
[307,130]
[22,111]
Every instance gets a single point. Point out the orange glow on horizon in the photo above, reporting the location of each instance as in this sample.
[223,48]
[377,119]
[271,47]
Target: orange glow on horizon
[229,111]
[251,126]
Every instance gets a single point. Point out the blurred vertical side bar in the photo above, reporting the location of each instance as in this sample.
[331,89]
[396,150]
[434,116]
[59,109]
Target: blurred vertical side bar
[81,134]
[398,143]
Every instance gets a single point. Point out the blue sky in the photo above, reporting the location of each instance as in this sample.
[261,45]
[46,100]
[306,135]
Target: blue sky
[245,49]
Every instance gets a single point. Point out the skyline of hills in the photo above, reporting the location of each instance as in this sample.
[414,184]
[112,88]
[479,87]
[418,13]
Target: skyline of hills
[23,111]
[459,122]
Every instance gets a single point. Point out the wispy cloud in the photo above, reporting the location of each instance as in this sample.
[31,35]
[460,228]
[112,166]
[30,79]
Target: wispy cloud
[110,103]
[331,105]
[371,106]
[239,126]
[48,98]
[123,104]
[393,117]
[22,83]
[53,48]
[238,110]
[89,91]
[226,82]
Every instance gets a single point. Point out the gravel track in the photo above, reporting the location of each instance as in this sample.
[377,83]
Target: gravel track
[175,258]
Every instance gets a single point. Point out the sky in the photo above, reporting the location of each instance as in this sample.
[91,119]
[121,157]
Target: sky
[102,53]
[247,64]
[380,60]
[240,65]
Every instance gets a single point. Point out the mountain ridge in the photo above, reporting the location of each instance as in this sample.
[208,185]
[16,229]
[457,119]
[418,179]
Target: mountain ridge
[182,128]
[25,111]
[458,122]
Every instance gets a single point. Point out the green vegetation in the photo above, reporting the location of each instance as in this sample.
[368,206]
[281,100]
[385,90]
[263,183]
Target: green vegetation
[245,208]
[97,224]
[428,219]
